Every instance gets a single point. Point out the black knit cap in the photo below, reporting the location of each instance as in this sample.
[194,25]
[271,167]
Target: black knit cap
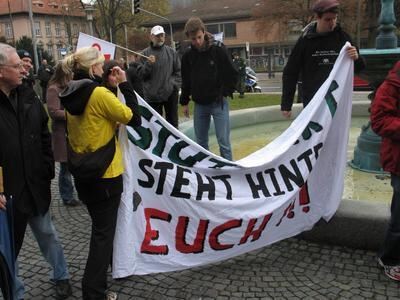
[23,53]
[322,6]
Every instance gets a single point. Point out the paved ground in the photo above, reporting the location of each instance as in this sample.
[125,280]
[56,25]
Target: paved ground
[291,269]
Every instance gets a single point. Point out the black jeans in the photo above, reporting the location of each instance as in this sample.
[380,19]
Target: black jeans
[102,199]
[390,253]
[170,108]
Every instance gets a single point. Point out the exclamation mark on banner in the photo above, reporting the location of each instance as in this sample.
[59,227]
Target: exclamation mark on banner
[304,198]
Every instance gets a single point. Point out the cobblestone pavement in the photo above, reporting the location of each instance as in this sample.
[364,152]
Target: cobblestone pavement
[291,269]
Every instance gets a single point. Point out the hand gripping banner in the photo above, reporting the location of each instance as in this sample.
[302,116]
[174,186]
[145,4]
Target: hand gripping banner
[183,206]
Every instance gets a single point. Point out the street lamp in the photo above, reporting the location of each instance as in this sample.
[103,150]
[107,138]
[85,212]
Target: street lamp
[89,9]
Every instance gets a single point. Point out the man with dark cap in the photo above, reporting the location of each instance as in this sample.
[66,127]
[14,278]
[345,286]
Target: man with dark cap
[314,55]
[26,59]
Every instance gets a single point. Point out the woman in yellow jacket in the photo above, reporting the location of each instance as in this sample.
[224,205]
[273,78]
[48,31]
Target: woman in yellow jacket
[93,114]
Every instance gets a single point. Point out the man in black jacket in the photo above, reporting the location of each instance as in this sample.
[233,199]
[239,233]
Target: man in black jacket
[208,77]
[314,55]
[25,152]
[45,72]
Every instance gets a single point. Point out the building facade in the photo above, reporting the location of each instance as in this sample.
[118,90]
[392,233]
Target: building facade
[265,52]
[56,23]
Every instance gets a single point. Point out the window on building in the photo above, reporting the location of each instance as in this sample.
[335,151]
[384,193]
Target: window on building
[38,3]
[229,29]
[50,49]
[287,51]
[38,31]
[256,50]
[83,28]
[47,26]
[58,28]
[75,29]
[212,28]
[9,31]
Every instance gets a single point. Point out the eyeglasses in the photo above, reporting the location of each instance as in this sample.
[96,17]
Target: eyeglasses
[15,66]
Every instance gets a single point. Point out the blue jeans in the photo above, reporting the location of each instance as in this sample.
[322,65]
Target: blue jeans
[65,185]
[201,122]
[390,253]
[50,246]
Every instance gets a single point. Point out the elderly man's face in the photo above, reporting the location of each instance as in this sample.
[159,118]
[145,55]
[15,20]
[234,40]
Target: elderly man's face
[158,40]
[12,72]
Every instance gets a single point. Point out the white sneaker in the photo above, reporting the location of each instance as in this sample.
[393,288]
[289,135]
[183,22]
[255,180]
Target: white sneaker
[111,295]
[393,272]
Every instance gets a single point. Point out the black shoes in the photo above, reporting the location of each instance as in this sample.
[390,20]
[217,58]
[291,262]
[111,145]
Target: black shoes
[72,202]
[63,289]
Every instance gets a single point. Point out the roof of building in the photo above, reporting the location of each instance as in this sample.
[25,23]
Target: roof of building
[46,7]
[209,10]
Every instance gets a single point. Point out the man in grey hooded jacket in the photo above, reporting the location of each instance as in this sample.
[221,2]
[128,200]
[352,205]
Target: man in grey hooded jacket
[161,74]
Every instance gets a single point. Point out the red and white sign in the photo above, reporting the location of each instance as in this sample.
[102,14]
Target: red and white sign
[107,48]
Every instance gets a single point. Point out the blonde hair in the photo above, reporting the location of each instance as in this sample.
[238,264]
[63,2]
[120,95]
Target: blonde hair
[83,59]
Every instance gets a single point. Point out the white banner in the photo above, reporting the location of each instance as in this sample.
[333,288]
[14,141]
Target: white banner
[107,48]
[184,206]
[219,36]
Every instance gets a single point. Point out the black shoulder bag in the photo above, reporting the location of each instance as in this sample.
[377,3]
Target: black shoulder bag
[90,165]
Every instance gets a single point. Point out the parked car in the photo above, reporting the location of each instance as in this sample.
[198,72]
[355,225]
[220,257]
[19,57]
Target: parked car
[360,84]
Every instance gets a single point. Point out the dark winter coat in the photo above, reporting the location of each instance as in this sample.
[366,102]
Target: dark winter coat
[312,59]
[25,151]
[57,114]
[44,74]
[385,120]
[208,74]
[133,77]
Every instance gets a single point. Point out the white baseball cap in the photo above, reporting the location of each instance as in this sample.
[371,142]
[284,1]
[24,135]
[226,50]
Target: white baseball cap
[157,30]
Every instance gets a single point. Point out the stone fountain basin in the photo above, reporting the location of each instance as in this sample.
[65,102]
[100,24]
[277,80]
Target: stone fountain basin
[356,224]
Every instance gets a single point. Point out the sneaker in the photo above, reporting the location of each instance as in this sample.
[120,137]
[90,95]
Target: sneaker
[393,272]
[111,295]
[72,202]
[63,289]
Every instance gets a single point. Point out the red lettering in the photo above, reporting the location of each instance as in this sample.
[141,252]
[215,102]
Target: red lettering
[304,198]
[180,236]
[255,233]
[151,234]
[289,213]
[217,231]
